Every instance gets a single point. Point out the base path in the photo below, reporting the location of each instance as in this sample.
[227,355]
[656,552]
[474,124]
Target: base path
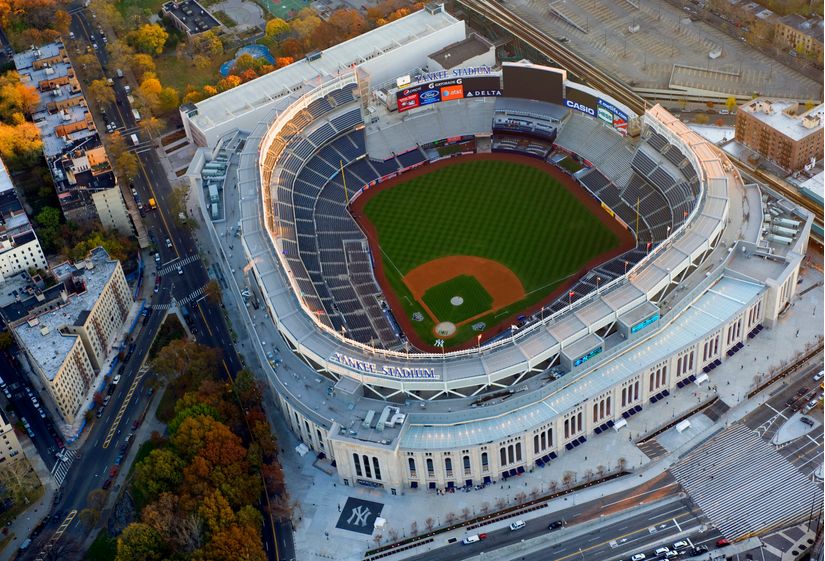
[501,283]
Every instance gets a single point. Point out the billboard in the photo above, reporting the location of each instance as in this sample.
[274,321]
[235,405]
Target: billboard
[613,115]
[534,82]
[581,101]
[487,86]
[446,90]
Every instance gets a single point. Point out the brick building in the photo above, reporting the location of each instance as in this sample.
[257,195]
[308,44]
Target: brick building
[782,131]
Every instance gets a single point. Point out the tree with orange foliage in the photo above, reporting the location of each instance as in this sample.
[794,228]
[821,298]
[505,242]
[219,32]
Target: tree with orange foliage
[282,61]
[228,83]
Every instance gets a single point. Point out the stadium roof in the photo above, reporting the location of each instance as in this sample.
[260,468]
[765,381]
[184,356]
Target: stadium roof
[456,54]
[287,82]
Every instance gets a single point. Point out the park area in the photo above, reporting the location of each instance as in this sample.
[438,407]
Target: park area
[464,247]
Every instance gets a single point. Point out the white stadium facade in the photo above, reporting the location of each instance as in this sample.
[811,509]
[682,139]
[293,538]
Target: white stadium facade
[716,259]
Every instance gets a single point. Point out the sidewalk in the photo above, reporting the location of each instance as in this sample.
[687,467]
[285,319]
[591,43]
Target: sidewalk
[27,520]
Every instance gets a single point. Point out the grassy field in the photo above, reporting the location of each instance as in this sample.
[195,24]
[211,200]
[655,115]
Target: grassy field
[476,299]
[505,211]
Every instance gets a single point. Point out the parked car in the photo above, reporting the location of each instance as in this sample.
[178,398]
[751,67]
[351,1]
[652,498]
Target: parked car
[555,525]
[638,557]
[807,421]
[168,243]
[517,525]
[99,413]
[680,545]
[722,542]
[473,539]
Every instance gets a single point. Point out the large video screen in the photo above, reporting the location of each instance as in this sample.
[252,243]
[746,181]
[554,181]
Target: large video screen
[532,82]
[446,90]
[581,101]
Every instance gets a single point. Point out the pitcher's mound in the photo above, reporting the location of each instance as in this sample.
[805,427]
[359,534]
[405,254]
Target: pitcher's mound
[445,328]
[456,300]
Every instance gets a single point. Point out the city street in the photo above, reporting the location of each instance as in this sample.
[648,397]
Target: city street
[103,442]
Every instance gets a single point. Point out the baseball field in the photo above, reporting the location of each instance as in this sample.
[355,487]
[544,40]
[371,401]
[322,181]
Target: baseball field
[463,247]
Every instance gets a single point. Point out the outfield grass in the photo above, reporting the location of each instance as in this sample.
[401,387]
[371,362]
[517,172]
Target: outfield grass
[505,211]
[476,299]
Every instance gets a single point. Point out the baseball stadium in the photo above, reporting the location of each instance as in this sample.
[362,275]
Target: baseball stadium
[483,264]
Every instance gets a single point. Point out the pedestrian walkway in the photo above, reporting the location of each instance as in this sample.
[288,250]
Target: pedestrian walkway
[61,467]
[743,485]
[195,295]
[173,265]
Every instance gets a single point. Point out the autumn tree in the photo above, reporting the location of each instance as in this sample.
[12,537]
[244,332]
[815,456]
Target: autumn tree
[151,125]
[149,38]
[100,92]
[304,25]
[182,357]
[121,54]
[20,144]
[206,44]
[276,28]
[124,162]
[108,14]
[16,99]
[183,531]
[6,340]
[212,290]
[730,103]
[242,543]
[140,542]
[141,64]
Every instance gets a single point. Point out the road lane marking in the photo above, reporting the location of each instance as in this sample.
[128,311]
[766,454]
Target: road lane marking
[677,524]
[123,407]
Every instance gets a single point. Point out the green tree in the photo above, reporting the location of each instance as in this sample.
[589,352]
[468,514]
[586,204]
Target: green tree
[196,410]
[140,542]
[48,220]
[6,339]
[159,472]
[149,38]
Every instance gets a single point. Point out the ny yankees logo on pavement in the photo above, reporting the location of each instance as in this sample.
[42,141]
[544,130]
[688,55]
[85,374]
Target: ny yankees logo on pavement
[359,515]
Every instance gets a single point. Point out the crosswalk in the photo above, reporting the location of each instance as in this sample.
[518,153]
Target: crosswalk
[743,484]
[61,468]
[173,266]
[195,295]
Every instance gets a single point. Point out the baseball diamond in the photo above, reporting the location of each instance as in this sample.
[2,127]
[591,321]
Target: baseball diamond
[503,232]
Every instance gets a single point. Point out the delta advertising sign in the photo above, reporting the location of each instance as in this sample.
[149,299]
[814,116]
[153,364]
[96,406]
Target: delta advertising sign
[446,90]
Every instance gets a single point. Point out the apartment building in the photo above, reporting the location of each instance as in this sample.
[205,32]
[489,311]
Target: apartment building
[801,34]
[9,444]
[68,345]
[19,247]
[783,131]
[84,180]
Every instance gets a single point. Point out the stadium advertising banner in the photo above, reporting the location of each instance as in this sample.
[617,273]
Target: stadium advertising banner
[611,114]
[581,101]
[534,82]
[446,90]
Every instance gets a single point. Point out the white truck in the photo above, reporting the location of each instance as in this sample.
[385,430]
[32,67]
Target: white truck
[136,115]
[135,140]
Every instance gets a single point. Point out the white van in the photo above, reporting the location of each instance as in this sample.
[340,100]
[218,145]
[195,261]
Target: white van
[517,525]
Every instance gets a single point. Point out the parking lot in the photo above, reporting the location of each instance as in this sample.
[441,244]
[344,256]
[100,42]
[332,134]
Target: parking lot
[659,46]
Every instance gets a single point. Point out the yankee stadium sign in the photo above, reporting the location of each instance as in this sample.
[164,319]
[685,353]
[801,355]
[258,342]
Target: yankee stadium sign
[454,73]
[365,367]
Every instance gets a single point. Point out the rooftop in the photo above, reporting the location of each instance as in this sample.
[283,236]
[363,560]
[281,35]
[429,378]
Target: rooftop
[15,227]
[42,336]
[20,295]
[190,13]
[285,84]
[456,54]
[62,115]
[812,27]
[787,116]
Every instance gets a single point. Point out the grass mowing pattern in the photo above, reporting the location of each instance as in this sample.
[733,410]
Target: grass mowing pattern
[512,213]
[476,299]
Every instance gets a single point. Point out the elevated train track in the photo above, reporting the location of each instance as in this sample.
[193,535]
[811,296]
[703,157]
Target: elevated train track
[556,51]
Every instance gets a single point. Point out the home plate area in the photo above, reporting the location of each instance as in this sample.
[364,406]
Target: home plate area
[359,515]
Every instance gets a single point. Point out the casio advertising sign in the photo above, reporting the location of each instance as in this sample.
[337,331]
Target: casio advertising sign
[579,107]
